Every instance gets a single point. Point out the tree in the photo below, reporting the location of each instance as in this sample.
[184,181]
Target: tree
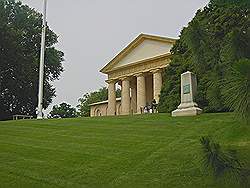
[93,97]
[216,39]
[64,110]
[20,37]
[236,89]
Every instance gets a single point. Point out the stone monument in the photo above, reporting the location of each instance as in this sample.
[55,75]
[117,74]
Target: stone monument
[188,106]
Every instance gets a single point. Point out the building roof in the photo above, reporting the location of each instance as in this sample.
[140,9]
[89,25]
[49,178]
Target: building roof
[103,102]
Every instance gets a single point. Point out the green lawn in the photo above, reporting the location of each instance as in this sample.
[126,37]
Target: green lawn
[140,151]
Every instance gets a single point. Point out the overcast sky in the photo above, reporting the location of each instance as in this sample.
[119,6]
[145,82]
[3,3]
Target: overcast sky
[92,32]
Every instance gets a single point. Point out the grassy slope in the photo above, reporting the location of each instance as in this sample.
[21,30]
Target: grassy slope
[140,151]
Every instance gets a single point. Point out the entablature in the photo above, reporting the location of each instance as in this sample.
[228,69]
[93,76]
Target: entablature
[145,66]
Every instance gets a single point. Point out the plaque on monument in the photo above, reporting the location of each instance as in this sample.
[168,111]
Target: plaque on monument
[188,106]
[186,89]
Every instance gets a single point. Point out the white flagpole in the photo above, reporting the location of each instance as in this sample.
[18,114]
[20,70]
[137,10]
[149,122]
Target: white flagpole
[41,70]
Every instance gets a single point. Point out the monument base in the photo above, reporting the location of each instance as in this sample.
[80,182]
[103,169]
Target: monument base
[192,111]
[188,106]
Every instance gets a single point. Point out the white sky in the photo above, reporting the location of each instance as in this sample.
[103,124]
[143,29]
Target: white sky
[92,32]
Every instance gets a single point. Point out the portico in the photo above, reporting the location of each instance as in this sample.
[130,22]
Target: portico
[138,71]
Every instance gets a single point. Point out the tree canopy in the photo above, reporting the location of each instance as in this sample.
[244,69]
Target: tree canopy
[64,110]
[216,39]
[93,97]
[20,37]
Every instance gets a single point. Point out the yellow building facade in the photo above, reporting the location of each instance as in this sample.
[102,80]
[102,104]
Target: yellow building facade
[137,69]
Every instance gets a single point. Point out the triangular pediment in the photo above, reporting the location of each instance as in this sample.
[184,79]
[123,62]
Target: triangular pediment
[142,48]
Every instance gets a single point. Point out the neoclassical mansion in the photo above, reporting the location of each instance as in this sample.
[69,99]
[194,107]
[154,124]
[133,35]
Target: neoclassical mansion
[138,70]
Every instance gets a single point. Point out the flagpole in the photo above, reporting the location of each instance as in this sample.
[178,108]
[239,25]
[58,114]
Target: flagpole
[41,70]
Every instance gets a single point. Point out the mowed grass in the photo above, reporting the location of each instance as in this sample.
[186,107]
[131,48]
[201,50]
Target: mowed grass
[139,151]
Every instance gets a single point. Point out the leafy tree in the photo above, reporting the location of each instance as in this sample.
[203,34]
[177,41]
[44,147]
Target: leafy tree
[93,97]
[216,39]
[20,37]
[64,110]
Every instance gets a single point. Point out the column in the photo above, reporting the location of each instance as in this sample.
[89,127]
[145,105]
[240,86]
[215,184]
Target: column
[134,95]
[111,98]
[125,103]
[157,82]
[141,92]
